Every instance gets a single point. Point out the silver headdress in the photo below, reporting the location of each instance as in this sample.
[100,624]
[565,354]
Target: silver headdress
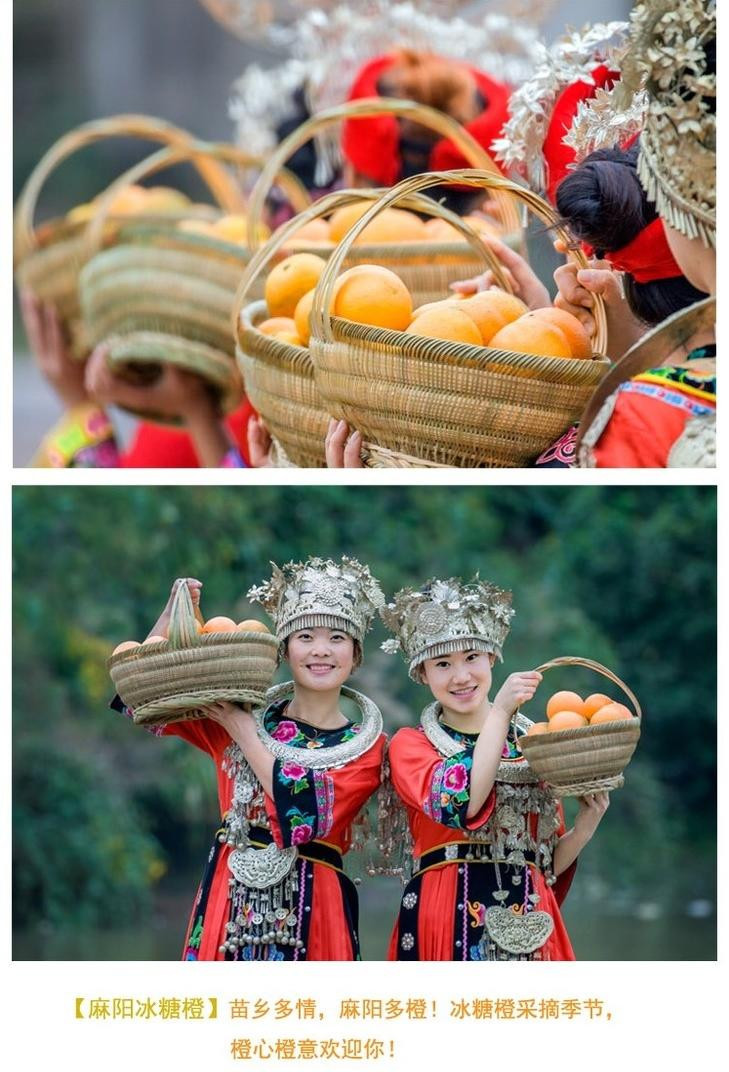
[677,162]
[327,48]
[571,59]
[446,616]
[306,595]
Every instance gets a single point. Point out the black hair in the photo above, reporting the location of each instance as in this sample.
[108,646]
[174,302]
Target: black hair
[603,203]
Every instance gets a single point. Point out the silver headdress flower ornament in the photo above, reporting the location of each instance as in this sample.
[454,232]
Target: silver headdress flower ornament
[571,59]
[667,58]
[326,48]
[446,616]
[320,593]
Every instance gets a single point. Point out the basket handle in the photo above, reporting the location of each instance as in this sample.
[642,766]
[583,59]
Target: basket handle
[590,664]
[321,309]
[137,126]
[196,153]
[182,632]
[364,108]
[339,199]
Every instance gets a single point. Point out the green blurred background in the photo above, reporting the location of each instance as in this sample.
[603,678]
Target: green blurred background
[112,826]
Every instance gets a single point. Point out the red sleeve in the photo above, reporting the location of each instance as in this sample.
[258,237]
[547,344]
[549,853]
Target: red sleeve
[438,787]
[208,736]
[308,804]
[640,433]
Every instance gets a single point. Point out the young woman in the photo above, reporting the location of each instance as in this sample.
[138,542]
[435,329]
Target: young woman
[291,779]
[492,861]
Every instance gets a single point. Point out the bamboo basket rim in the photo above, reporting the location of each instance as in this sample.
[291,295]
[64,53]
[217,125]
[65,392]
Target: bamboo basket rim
[321,318]
[193,152]
[123,125]
[339,198]
[440,351]
[365,107]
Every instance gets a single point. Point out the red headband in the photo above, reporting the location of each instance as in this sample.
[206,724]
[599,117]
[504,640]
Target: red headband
[557,156]
[372,145]
[647,257]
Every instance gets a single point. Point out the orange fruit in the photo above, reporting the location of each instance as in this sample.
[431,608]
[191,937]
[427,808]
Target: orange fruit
[612,712]
[565,701]
[574,331]
[234,228]
[436,305]
[126,645]
[530,335]
[250,625]
[594,702]
[154,640]
[566,720]
[291,337]
[343,219]
[221,624]
[371,294]
[301,316]
[287,283]
[442,231]
[446,323]
[313,231]
[393,225]
[537,727]
[274,324]
[489,312]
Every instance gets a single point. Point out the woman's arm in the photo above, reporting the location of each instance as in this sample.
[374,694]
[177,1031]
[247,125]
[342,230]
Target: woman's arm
[592,809]
[516,690]
[240,725]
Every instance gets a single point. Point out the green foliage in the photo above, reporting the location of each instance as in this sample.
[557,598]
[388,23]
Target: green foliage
[623,575]
[80,854]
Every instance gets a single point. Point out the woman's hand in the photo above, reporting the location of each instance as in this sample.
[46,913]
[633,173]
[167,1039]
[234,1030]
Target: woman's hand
[174,393]
[576,289]
[52,354]
[228,715]
[525,283]
[162,625]
[342,450]
[591,810]
[516,690]
[259,444]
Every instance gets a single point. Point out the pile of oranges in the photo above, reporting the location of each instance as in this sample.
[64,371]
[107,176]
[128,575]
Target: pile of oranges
[568,711]
[373,295]
[232,228]
[220,624]
[392,226]
[135,200]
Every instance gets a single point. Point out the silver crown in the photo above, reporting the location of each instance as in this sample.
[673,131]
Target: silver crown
[320,592]
[446,616]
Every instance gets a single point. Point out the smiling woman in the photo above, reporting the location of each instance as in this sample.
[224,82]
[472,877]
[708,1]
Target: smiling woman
[492,860]
[291,779]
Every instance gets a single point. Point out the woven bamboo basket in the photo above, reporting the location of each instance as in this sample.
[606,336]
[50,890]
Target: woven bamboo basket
[167,681]
[426,401]
[426,268]
[48,258]
[588,759]
[279,377]
[162,294]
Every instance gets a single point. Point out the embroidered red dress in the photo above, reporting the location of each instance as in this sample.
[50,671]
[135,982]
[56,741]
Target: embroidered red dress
[500,859]
[312,810]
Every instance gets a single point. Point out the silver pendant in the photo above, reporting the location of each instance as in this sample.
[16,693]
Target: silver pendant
[518,933]
[261,868]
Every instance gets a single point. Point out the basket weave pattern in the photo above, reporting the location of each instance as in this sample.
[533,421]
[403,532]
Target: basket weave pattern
[588,759]
[442,402]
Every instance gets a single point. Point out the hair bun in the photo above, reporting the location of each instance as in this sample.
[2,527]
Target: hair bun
[602,200]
